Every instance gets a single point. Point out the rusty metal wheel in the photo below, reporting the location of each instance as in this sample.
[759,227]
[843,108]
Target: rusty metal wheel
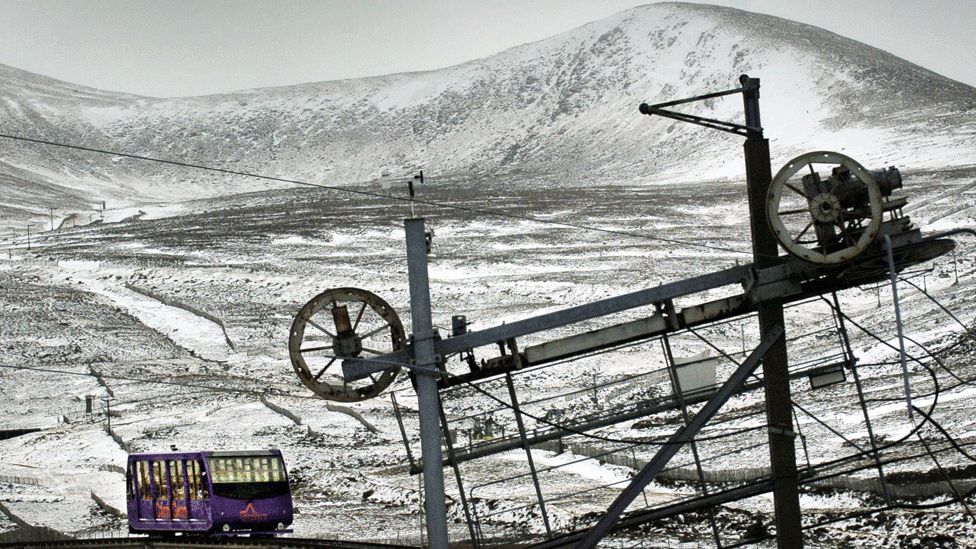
[343,323]
[829,219]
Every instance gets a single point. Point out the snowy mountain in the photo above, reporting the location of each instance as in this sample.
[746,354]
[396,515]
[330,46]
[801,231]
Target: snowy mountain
[564,108]
[174,319]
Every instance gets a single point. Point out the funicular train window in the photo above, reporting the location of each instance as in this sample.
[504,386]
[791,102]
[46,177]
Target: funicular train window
[144,488]
[276,473]
[198,485]
[192,478]
[176,477]
[226,474]
[204,484]
[159,476]
[220,469]
[216,469]
[267,469]
[248,477]
[132,487]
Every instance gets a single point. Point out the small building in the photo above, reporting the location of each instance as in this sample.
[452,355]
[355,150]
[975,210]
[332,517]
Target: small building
[696,374]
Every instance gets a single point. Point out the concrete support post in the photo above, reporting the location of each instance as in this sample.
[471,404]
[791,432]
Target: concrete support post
[428,399]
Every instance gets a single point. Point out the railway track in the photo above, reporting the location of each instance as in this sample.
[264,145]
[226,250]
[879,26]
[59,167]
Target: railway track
[200,543]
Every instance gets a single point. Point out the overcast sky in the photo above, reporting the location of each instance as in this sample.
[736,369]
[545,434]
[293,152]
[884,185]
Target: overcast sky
[193,47]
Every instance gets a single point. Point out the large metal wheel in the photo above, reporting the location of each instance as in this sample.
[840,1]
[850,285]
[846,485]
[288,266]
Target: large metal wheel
[824,220]
[343,323]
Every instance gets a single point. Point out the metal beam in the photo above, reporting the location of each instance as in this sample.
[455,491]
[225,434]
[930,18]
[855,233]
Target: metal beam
[818,280]
[596,309]
[647,515]
[595,339]
[678,439]
[354,369]
[528,452]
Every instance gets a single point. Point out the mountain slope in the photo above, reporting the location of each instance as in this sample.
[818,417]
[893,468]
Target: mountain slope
[564,108]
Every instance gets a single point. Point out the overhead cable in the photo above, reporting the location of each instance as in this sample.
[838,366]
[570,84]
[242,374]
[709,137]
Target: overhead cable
[496,213]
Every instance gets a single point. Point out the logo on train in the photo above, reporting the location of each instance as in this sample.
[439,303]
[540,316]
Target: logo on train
[163,511]
[250,514]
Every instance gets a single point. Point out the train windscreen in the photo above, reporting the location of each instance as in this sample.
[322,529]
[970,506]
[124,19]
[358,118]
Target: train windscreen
[248,477]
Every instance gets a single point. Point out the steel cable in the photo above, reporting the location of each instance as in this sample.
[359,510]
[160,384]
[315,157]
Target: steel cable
[467,209]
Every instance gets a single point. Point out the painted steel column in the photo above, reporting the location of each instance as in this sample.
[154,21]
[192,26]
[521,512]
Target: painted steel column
[782,452]
[680,396]
[428,399]
[528,449]
[445,429]
[849,355]
[901,335]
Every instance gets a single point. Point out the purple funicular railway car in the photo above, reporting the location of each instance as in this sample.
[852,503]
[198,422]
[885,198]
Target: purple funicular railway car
[222,493]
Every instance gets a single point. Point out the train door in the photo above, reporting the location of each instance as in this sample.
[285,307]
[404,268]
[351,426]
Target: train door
[197,492]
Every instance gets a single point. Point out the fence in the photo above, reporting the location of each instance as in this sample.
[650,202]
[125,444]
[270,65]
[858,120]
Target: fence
[110,509]
[328,406]
[101,380]
[14,479]
[27,533]
[111,467]
[188,308]
[118,439]
[749,474]
[282,410]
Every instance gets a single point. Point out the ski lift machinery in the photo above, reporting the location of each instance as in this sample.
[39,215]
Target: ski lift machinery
[839,223]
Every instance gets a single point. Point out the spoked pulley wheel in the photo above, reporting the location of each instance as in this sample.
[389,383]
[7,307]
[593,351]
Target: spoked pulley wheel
[338,324]
[824,207]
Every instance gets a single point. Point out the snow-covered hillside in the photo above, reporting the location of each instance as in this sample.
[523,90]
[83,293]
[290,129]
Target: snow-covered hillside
[564,108]
[104,310]
[178,313]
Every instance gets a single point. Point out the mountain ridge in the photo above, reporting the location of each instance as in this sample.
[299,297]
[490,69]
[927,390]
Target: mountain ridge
[563,108]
